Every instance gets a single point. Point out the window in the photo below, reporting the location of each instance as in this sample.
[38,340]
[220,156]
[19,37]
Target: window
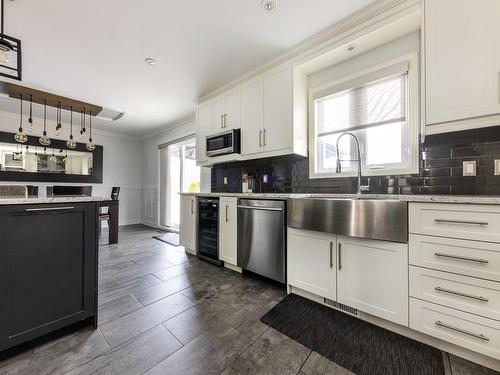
[379,107]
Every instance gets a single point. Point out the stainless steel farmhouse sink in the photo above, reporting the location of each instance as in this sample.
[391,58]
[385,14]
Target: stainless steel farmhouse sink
[378,219]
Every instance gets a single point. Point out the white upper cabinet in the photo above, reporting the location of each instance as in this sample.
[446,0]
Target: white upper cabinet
[218,110]
[278,109]
[462,63]
[262,107]
[232,109]
[252,116]
[204,120]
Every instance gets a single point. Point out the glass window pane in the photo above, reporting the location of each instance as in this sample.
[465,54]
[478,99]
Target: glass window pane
[384,144]
[384,100]
[327,153]
[332,112]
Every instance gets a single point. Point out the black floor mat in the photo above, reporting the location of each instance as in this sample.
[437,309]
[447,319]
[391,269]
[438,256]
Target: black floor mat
[170,238]
[359,346]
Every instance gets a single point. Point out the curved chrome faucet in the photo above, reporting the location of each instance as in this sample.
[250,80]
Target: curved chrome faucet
[361,188]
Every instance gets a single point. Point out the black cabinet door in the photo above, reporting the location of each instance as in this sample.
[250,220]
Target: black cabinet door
[47,268]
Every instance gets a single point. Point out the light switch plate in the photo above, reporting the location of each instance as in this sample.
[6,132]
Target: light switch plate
[265,178]
[225,180]
[469,168]
[497,167]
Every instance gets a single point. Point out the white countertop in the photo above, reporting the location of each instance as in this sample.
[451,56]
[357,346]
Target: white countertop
[59,199]
[470,199]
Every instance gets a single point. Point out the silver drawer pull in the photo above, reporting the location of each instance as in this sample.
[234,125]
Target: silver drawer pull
[261,208]
[469,333]
[49,209]
[444,290]
[467,222]
[477,260]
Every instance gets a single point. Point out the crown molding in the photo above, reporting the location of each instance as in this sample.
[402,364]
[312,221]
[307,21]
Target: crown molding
[308,46]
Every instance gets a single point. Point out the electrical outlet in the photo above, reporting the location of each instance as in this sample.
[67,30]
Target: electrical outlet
[265,178]
[497,167]
[469,168]
[225,181]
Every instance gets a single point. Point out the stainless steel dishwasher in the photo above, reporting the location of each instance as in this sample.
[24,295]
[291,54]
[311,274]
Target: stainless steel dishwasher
[261,237]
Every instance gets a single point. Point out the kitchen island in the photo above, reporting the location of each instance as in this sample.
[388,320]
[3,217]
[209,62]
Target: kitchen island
[48,266]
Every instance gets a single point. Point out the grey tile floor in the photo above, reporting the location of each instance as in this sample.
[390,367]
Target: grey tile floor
[165,312]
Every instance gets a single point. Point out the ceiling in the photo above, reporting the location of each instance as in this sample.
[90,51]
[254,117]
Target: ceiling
[94,50]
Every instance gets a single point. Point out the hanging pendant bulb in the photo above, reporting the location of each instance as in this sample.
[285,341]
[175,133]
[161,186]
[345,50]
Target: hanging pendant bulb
[20,136]
[58,120]
[53,157]
[44,140]
[90,146]
[30,119]
[71,143]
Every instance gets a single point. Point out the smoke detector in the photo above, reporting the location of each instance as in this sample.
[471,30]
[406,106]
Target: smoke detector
[268,5]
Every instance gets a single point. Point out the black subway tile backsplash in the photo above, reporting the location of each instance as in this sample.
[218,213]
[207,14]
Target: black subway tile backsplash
[441,158]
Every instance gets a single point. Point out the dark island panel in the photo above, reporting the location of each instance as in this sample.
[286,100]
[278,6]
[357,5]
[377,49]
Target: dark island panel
[48,268]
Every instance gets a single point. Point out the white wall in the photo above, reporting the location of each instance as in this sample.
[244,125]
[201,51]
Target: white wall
[121,164]
[150,168]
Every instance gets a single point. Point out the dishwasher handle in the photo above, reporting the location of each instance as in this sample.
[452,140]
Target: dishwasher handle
[261,208]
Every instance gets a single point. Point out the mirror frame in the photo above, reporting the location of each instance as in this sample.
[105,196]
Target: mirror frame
[97,163]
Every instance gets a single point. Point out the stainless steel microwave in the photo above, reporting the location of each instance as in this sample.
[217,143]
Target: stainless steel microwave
[224,143]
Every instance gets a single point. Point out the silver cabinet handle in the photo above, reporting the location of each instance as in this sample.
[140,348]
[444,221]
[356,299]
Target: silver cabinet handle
[261,208]
[340,256]
[466,222]
[468,259]
[225,120]
[465,332]
[331,254]
[49,209]
[192,207]
[466,295]
[260,138]
[227,207]
[222,121]
[264,137]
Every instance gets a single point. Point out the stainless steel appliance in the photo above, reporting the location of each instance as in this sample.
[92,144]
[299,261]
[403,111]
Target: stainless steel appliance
[208,230]
[382,219]
[224,143]
[262,237]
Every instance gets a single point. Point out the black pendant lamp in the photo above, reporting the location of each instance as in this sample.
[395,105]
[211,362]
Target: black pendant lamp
[90,146]
[82,124]
[30,119]
[71,143]
[20,136]
[10,52]
[58,119]
[44,140]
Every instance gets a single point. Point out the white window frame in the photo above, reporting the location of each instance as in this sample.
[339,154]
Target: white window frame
[413,118]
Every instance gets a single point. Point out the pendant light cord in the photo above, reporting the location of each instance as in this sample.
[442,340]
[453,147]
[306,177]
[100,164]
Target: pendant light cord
[21,111]
[45,116]
[90,126]
[71,122]
[31,106]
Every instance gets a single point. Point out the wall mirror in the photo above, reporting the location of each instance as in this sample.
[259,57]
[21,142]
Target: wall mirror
[54,163]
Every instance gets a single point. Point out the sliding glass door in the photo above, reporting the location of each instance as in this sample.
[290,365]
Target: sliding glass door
[178,173]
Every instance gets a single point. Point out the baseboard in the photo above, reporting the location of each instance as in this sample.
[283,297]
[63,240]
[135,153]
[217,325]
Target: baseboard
[149,224]
[232,267]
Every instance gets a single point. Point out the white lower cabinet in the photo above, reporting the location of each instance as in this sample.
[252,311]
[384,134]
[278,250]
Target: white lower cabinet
[187,230]
[311,262]
[460,328]
[372,277]
[228,230]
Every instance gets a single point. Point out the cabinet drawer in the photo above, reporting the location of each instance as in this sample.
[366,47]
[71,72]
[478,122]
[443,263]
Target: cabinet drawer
[472,258]
[464,293]
[473,222]
[467,330]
